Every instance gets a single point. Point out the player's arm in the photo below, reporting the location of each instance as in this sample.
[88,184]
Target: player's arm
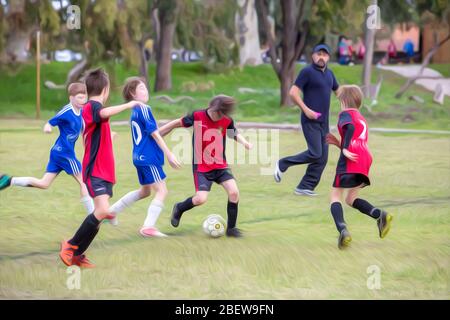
[295,94]
[241,139]
[349,130]
[332,139]
[173,161]
[108,112]
[47,128]
[168,127]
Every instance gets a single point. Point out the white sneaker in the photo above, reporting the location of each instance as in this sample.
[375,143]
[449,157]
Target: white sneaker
[149,232]
[305,192]
[277,174]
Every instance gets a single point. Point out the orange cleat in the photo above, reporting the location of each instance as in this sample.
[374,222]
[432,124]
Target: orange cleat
[82,261]
[67,252]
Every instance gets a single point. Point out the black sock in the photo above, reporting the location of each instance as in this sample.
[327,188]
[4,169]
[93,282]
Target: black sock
[86,242]
[185,206]
[366,208]
[232,211]
[86,231]
[338,215]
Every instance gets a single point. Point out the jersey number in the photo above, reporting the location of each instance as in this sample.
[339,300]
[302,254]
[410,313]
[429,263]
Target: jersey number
[137,134]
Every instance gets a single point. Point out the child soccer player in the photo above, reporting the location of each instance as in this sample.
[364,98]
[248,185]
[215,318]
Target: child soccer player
[352,172]
[98,165]
[62,154]
[210,127]
[148,157]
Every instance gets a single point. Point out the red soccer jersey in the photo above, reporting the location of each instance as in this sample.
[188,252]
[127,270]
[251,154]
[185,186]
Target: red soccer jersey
[209,140]
[98,160]
[358,143]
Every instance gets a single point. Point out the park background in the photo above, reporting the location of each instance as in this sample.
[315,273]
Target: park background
[188,51]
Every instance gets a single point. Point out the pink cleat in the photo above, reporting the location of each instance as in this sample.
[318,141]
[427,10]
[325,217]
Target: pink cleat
[149,232]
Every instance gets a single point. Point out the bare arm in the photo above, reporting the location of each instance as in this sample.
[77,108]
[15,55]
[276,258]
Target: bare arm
[111,111]
[240,139]
[168,127]
[162,144]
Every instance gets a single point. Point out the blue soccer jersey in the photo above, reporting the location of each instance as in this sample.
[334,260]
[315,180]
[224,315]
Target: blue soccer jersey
[62,154]
[145,149]
[69,122]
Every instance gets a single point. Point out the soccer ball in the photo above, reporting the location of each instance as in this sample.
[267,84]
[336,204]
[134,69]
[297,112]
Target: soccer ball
[214,226]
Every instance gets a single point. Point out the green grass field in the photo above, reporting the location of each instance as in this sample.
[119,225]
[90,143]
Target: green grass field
[289,250]
[17,94]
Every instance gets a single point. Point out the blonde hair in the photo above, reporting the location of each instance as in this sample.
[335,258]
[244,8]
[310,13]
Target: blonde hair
[350,95]
[76,88]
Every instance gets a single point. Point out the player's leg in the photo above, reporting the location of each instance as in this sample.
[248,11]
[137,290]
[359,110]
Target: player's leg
[127,201]
[232,190]
[202,188]
[43,183]
[179,208]
[85,198]
[383,218]
[154,210]
[338,216]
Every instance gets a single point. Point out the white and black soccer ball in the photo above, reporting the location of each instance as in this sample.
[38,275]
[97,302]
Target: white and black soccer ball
[214,226]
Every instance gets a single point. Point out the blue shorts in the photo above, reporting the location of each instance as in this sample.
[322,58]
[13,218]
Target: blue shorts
[150,174]
[56,164]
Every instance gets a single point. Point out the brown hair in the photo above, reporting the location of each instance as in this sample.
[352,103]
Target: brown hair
[350,95]
[130,86]
[222,103]
[96,80]
[76,88]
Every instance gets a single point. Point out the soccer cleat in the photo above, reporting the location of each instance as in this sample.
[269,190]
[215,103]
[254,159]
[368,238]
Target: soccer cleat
[5,181]
[277,174]
[151,232]
[66,253]
[344,239]
[305,192]
[384,223]
[234,232]
[82,261]
[176,215]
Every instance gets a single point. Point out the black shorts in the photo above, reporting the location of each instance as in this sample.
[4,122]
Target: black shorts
[97,187]
[350,180]
[204,180]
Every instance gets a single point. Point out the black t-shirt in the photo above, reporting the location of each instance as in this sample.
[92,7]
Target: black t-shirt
[316,86]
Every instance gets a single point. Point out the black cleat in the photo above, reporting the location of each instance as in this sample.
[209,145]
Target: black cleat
[234,232]
[176,215]
[5,181]
[384,223]
[344,239]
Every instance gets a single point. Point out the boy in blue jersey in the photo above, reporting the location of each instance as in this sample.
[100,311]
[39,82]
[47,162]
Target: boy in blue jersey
[148,157]
[62,154]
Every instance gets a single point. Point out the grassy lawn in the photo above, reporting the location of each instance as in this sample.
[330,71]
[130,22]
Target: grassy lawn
[17,94]
[289,250]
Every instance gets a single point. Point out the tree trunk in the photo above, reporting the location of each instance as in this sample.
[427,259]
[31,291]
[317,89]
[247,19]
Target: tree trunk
[246,22]
[368,56]
[166,21]
[287,79]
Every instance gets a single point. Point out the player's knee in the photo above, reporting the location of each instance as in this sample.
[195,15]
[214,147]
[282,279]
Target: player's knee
[349,200]
[233,195]
[315,154]
[200,199]
[101,214]
[144,193]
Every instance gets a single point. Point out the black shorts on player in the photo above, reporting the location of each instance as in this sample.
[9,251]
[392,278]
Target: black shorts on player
[204,180]
[97,187]
[350,180]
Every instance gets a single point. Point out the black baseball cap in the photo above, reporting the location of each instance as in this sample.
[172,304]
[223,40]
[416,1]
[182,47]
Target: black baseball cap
[323,47]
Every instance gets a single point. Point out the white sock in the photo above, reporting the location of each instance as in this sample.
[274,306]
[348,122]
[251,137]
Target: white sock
[21,181]
[88,204]
[153,213]
[125,202]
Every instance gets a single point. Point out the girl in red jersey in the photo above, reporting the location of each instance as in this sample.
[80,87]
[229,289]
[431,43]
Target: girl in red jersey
[352,172]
